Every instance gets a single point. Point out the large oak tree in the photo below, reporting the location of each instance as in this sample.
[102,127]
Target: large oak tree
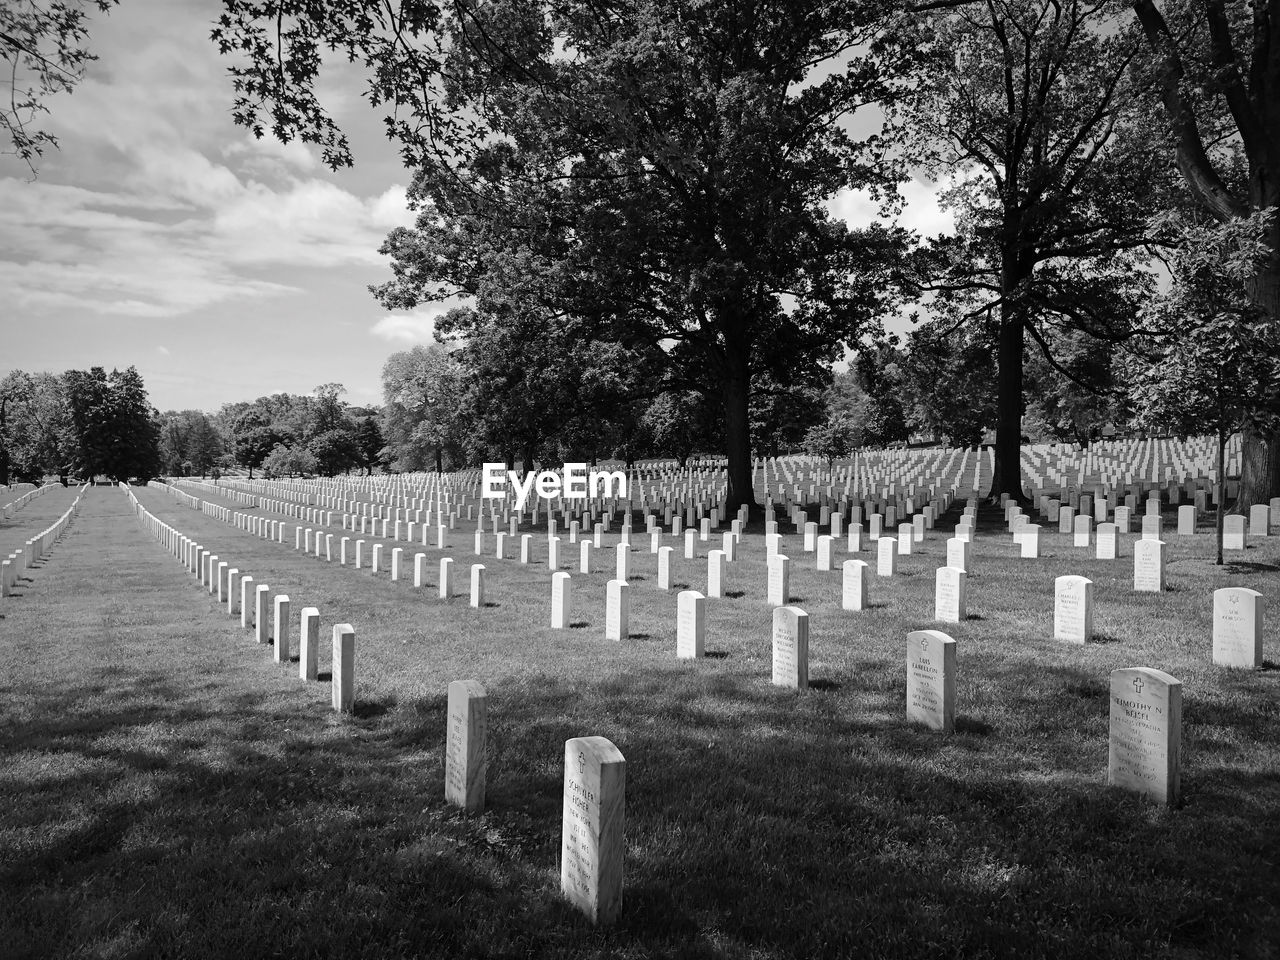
[658,168]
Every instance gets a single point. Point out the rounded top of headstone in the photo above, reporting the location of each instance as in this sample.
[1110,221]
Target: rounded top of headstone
[1071,580]
[1126,675]
[1228,592]
[927,638]
[594,749]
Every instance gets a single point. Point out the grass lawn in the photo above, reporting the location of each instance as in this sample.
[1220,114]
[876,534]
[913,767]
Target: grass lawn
[169,791]
[34,518]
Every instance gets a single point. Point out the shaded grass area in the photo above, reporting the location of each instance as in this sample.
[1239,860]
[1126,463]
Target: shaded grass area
[168,790]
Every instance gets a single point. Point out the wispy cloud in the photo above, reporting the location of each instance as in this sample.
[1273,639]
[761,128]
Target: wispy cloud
[416,327]
[920,209]
[173,208]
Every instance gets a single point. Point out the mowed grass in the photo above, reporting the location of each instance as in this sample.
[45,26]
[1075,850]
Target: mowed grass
[33,518]
[168,790]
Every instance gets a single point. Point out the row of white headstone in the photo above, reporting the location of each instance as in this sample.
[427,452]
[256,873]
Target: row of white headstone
[269,617]
[13,506]
[1143,753]
[36,548]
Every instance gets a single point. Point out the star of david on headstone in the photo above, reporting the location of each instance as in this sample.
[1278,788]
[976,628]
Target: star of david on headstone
[1137,685]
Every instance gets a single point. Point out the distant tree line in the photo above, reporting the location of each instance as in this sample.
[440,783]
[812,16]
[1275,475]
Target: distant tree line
[82,423]
[291,435]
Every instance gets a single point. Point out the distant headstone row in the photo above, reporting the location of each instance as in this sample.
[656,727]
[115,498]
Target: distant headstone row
[269,617]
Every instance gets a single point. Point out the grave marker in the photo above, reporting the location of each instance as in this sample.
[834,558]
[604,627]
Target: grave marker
[1148,566]
[779,593]
[464,764]
[691,624]
[344,662]
[1145,744]
[931,679]
[617,610]
[561,599]
[593,827]
[1073,609]
[854,593]
[281,634]
[308,643]
[1237,627]
[950,595]
[790,648]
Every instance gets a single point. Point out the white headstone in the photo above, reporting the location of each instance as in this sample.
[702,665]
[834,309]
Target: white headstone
[446,578]
[717,569]
[1073,609]
[854,593]
[886,556]
[593,827]
[826,550]
[931,679]
[1145,743]
[464,759]
[617,610]
[344,661]
[950,595]
[1259,520]
[790,647]
[1148,565]
[308,643]
[779,592]
[1233,532]
[1107,542]
[691,624]
[561,599]
[280,635]
[1237,627]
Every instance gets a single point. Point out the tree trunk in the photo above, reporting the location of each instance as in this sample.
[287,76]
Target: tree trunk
[1260,452]
[439,459]
[1009,357]
[736,396]
[1259,468]
[1221,489]
[527,456]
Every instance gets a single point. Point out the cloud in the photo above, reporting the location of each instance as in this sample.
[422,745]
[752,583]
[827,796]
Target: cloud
[920,209]
[417,327]
[162,350]
[157,205]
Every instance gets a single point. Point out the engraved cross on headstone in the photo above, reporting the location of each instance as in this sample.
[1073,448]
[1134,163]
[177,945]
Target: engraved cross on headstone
[1137,685]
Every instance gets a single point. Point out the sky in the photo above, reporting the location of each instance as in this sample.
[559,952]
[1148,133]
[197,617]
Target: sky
[224,268]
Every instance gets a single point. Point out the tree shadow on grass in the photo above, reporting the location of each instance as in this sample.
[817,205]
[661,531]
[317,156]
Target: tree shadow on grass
[368,709]
[975,726]
[1102,639]
[324,676]
[1247,566]
[716,654]
[822,683]
[736,781]
[579,624]
[735,594]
